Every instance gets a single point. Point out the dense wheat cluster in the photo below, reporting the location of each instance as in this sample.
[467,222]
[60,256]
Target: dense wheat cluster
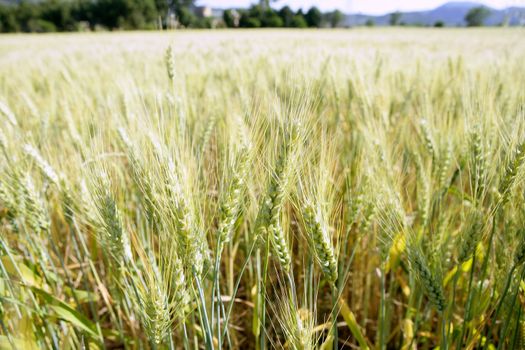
[257,190]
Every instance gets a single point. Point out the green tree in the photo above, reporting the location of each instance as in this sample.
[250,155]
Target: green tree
[66,15]
[59,13]
[256,11]
[314,17]
[298,21]
[370,22]
[175,5]
[185,17]
[8,22]
[271,19]
[286,15]
[247,21]
[125,14]
[229,19]
[476,16]
[40,26]
[395,18]
[82,11]
[181,9]
[336,18]
[25,13]
[202,23]
[439,24]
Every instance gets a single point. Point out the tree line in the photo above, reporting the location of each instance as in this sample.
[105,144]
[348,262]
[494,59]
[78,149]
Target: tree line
[75,15]
[257,16]
[64,15]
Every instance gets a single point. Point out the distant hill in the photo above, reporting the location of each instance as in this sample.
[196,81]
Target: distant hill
[451,14]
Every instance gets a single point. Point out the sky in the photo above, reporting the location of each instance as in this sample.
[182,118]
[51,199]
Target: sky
[373,7]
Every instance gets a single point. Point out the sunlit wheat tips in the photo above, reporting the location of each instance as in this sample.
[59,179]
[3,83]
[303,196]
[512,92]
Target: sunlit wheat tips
[8,114]
[69,203]
[297,323]
[161,297]
[3,143]
[46,169]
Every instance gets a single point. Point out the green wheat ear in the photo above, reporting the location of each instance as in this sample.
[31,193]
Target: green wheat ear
[268,224]
[35,211]
[423,190]
[478,162]
[510,176]
[432,286]
[157,317]
[276,195]
[231,205]
[444,165]
[323,249]
[170,63]
[280,245]
[471,236]
[109,222]
[427,138]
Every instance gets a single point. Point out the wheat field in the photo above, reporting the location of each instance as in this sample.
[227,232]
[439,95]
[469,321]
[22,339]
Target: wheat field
[266,189]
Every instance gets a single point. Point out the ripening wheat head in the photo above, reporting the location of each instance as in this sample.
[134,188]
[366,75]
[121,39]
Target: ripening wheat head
[109,222]
[296,321]
[318,205]
[157,286]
